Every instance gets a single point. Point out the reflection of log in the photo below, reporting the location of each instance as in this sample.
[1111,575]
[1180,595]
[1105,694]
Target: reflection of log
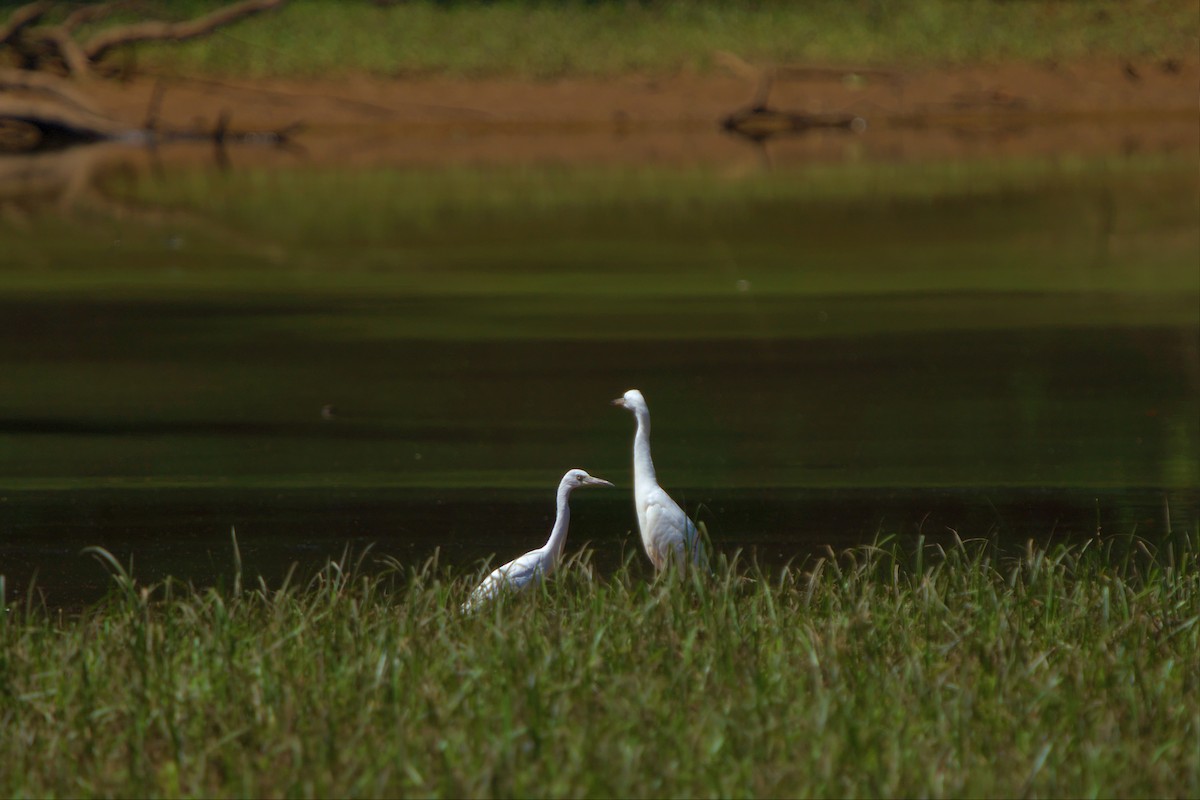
[77,178]
[59,178]
[761,123]
[101,43]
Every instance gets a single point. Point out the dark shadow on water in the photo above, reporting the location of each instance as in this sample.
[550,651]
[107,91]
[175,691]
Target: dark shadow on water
[46,426]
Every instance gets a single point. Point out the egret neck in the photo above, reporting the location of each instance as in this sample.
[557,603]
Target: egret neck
[643,466]
[558,535]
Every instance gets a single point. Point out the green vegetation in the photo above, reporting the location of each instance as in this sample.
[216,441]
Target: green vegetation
[885,671]
[535,39]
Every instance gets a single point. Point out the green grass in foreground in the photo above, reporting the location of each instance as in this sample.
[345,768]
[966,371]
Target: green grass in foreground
[1069,671]
[525,38]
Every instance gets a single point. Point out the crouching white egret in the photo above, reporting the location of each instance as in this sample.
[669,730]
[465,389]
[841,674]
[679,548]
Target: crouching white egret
[535,565]
[667,533]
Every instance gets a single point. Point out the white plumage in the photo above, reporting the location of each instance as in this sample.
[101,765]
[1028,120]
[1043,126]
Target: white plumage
[536,564]
[667,533]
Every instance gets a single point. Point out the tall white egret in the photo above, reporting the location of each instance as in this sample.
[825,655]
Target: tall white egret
[536,564]
[667,533]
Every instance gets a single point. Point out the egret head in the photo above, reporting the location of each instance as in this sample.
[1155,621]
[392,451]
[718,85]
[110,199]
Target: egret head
[633,401]
[577,477]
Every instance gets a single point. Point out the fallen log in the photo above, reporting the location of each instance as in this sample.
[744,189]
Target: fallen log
[30,125]
[760,123]
[21,81]
[54,46]
[101,43]
[21,19]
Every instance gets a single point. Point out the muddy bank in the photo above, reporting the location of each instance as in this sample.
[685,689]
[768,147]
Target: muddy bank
[1004,110]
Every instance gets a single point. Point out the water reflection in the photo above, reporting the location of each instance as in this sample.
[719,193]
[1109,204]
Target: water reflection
[412,356]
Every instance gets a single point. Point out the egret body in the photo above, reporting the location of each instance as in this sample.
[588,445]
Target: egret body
[535,565]
[667,533]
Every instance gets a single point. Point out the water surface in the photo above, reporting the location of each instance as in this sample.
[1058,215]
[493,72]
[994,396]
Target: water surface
[412,357]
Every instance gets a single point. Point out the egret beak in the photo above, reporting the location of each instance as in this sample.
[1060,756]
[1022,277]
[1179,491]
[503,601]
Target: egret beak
[590,481]
[620,401]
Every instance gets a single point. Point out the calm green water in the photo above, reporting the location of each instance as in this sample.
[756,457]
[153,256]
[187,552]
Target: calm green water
[412,358]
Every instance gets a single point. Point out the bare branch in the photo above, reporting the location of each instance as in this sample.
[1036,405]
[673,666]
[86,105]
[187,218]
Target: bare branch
[72,54]
[59,121]
[40,83]
[22,18]
[94,13]
[104,41]
[28,124]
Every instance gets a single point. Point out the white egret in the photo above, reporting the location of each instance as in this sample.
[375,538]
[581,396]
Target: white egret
[667,533]
[535,565]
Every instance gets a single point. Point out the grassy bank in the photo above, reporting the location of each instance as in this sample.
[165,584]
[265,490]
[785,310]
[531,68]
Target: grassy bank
[1069,671]
[532,39]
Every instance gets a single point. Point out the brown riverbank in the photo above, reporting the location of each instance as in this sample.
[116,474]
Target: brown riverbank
[1095,108]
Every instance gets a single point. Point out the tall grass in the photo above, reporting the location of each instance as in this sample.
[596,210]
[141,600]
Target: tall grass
[526,38]
[1068,670]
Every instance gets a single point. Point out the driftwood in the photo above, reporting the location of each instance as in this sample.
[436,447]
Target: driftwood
[39,84]
[38,125]
[760,123]
[35,127]
[41,46]
[21,19]
[99,45]
[41,113]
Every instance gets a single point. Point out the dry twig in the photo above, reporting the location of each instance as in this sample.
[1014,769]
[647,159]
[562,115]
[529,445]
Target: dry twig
[72,54]
[21,19]
[104,41]
[55,44]
[39,83]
